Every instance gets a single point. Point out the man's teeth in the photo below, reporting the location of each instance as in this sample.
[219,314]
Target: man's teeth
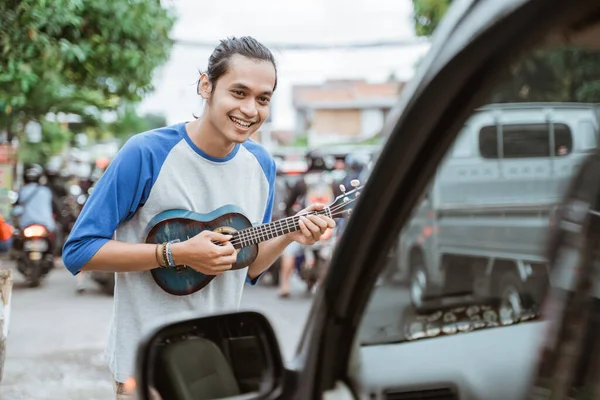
[240,122]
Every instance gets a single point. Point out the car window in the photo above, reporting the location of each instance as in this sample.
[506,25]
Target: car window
[473,256]
[525,140]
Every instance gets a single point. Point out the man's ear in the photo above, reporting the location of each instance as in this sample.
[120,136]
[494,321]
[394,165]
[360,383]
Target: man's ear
[204,86]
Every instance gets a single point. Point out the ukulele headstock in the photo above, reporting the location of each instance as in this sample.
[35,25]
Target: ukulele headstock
[344,203]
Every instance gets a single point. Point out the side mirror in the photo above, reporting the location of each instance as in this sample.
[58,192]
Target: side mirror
[212,357]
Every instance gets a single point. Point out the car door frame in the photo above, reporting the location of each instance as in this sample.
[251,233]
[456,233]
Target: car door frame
[471,47]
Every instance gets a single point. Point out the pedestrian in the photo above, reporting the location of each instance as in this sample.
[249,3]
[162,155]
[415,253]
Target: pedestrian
[199,166]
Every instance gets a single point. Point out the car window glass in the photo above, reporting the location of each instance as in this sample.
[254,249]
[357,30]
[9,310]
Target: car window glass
[474,257]
[488,142]
[525,140]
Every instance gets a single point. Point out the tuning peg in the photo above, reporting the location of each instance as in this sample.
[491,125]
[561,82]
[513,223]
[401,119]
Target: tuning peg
[349,212]
[356,194]
[354,182]
[346,200]
[343,188]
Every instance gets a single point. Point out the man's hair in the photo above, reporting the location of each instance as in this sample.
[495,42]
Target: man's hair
[246,46]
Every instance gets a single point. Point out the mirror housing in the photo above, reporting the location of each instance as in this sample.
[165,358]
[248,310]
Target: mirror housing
[211,357]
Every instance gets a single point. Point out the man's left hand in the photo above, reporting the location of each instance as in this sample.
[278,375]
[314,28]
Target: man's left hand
[312,227]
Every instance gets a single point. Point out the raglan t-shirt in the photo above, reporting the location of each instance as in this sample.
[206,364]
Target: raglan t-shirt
[157,171]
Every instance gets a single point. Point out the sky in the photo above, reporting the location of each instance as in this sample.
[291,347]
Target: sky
[286,21]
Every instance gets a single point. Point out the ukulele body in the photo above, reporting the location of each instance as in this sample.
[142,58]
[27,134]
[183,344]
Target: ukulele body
[183,225]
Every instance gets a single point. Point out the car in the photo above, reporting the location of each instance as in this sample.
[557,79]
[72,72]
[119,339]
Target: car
[364,338]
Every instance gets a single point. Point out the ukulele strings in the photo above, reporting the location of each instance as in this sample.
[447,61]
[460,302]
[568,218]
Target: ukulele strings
[244,237]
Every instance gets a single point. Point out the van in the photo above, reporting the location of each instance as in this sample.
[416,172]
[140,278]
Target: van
[486,214]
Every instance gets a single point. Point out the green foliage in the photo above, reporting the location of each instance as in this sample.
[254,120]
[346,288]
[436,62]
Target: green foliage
[129,123]
[301,140]
[77,56]
[558,74]
[427,14]
[54,137]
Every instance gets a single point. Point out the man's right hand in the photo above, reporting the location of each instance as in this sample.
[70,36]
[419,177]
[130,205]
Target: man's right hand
[201,254]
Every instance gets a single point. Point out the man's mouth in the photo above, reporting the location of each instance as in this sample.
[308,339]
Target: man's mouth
[241,123]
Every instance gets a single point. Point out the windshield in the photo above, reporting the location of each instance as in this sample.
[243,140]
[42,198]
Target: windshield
[473,255]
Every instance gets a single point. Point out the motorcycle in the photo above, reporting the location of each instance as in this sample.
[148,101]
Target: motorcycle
[313,263]
[32,251]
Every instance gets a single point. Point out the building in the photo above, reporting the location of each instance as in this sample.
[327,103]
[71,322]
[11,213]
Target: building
[343,111]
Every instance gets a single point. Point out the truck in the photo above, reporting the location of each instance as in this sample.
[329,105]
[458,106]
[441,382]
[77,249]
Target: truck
[481,227]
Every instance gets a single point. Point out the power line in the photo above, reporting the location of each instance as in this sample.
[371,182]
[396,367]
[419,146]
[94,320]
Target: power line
[316,46]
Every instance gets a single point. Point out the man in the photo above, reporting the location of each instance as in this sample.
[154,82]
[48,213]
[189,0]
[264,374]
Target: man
[36,200]
[199,166]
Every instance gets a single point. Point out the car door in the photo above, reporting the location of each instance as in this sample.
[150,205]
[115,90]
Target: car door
[355,344]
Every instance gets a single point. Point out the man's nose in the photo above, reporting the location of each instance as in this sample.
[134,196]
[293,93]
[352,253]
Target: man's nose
[249,109]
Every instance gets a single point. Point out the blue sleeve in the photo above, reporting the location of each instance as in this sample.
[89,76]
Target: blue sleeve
[123,187]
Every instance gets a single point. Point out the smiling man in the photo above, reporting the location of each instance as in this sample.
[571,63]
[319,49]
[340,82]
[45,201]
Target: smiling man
[197,166]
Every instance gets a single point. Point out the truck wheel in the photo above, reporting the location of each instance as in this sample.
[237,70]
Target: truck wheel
[418,281]
[510,293]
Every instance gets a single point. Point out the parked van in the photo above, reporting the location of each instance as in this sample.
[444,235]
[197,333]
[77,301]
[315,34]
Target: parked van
[486,214]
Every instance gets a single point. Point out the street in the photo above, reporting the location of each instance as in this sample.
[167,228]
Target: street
[57,336]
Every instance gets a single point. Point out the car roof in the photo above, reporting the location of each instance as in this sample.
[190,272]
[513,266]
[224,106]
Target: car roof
[524,106]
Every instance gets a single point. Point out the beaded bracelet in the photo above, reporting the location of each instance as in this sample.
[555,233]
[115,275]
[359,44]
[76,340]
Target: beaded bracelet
[164,255]
[170,254]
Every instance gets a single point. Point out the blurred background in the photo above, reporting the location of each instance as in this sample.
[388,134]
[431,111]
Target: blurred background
[78,78]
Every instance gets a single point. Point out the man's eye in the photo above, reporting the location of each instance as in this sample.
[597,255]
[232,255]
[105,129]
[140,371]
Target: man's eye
[264,99]
[238,92]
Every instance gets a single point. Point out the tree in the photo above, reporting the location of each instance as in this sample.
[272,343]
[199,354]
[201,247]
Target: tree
[129,122]
[77,56]
[54,137]
[553,74]
[427,14]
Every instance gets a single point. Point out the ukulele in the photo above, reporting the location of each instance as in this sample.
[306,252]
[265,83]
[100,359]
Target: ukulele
[229,220]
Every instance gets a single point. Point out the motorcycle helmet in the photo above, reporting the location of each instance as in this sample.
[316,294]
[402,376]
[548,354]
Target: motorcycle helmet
[33,173]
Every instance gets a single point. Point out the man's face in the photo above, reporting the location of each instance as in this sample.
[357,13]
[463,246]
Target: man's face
[239,102]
